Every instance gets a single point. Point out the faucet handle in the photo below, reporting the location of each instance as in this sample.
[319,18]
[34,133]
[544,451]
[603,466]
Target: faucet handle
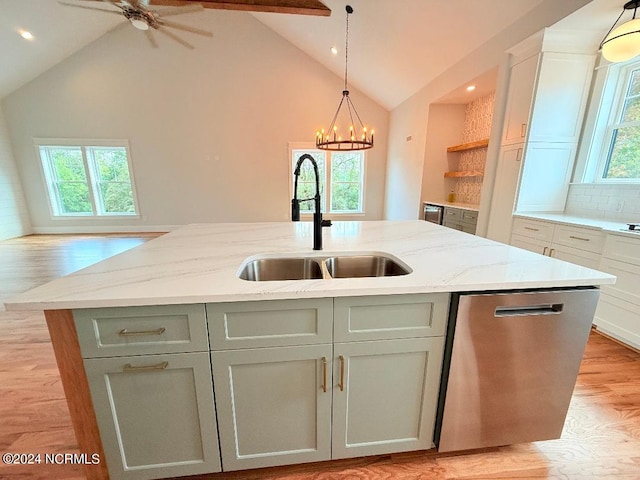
[326,223]
[295,210]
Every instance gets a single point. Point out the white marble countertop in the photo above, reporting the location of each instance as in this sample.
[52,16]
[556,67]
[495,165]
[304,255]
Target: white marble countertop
[199,263]
[463,206]
[608,226]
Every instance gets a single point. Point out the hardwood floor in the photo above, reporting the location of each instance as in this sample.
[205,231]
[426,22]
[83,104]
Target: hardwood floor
[601,438]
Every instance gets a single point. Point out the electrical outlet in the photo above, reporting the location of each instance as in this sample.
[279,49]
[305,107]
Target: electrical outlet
[620,206]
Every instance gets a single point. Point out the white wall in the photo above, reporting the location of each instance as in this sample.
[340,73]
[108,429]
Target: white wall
[446,128]
[14,219]
[406,159]
[208,128]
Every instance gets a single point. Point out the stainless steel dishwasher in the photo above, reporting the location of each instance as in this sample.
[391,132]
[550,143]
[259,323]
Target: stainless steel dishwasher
[514,360]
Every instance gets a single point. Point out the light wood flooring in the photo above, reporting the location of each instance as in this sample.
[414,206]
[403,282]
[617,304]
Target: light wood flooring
[601,439]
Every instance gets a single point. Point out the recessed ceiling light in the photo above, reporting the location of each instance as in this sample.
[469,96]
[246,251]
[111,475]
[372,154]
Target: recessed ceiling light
[471,88]
[26,35]
[334,50]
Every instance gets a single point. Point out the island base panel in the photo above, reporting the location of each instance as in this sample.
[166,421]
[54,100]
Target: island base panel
[76,388]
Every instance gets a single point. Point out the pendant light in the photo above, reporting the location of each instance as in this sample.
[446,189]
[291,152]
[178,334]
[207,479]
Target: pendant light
[623,43]
[355,136]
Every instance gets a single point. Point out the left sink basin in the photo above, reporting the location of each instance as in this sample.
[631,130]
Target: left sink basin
[266,269]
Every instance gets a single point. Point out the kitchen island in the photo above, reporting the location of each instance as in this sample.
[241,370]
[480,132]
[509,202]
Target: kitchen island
[300,337]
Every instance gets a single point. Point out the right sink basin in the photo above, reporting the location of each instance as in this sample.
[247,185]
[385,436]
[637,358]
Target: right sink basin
[352,266]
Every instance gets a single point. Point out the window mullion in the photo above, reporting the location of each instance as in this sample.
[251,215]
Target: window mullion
[90,179]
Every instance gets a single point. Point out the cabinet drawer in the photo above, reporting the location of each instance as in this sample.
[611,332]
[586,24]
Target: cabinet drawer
[452,214]
[392,316]
[533,229]
[270,323]
[581,238]
[622,248]
[627,286]
[119,331]
[618,319]
[469,216]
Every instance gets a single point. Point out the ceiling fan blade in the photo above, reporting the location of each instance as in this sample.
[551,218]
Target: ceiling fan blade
[175,37]
[166,12]
[151,38]
[90,8]
[186,28]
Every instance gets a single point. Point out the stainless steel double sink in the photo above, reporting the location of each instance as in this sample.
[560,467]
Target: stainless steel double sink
[268,268]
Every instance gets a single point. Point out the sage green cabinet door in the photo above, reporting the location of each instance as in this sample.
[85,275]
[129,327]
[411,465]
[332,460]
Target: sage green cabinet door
[155,414]
[385,396]
[272,405]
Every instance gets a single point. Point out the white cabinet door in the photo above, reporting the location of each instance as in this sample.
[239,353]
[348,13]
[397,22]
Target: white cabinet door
[385,395]
[519,96]
[272,405]
[574,255]
[156,414]
[532,244]
[504,193]
[561,96]
[545,177]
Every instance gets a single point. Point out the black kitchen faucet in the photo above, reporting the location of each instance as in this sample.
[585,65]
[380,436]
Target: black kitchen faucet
[318,222]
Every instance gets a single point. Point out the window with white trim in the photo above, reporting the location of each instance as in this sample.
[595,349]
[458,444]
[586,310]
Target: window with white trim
[341,180]
[88,179]
[617,160]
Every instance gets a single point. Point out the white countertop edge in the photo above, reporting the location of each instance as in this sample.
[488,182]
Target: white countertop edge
[608,226]
[460,205]
[287,295]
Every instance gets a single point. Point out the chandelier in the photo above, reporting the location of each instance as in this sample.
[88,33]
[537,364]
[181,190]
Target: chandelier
[357,137]
[623,43]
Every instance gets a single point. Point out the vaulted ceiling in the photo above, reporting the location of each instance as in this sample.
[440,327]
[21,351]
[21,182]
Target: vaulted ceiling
[395,46]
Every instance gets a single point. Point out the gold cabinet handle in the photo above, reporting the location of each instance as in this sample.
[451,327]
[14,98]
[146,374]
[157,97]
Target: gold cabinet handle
[551,252]
[523,129]
[544,252]
[532,229]
[324,374]
[580,238]
[128,368]
[126,333]
[341,384]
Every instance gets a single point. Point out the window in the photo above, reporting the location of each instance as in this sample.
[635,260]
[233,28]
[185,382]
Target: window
[618,127]
[88,179]
[341,180]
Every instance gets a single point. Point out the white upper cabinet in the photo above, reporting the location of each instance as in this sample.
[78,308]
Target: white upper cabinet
[560,97]
[519,96]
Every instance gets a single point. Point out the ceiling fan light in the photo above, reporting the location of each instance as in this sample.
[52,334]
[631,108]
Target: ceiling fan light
[623,43]
[139,23]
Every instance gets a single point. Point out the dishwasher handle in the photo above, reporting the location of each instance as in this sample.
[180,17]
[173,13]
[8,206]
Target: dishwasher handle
[525,310]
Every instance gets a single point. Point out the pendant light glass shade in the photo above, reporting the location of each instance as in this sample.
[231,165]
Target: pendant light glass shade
[623,42]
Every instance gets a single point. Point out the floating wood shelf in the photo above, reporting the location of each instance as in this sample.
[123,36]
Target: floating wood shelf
[469,173]
[469,146]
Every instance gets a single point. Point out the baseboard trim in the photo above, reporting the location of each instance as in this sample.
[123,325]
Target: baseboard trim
[103,229]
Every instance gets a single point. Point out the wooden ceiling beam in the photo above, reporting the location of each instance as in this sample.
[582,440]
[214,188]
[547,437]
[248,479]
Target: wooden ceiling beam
[297,7]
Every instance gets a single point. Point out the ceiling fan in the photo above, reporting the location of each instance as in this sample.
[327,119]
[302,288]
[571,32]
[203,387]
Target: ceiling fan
[142,17]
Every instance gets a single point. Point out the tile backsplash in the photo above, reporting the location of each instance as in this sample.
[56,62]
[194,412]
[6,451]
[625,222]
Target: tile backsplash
[618,202]
[477,125]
